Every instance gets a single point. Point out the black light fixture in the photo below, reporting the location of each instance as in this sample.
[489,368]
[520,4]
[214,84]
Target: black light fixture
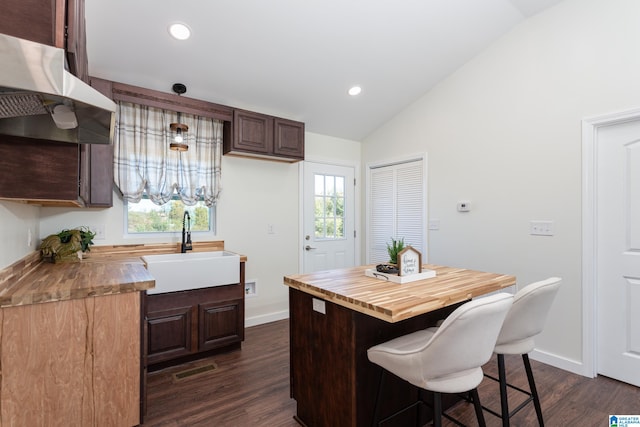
[179,129]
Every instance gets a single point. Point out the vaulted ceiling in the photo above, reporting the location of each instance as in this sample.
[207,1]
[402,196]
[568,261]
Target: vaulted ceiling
[298,58]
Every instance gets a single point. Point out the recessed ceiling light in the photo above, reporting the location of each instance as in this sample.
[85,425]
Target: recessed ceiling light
[355,90]
[179,31]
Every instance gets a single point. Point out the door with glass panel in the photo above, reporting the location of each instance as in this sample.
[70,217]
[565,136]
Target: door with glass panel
[328,240]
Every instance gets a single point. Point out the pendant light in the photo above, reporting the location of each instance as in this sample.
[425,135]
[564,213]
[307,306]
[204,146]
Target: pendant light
[178,130]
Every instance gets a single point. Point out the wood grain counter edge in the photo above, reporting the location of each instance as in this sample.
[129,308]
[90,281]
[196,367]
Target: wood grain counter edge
[108,270]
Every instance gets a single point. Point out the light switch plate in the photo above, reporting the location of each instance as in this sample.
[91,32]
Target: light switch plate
[541,228]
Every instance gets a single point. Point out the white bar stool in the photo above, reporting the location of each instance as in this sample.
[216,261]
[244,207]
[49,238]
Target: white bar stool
[446,359]
[524,321]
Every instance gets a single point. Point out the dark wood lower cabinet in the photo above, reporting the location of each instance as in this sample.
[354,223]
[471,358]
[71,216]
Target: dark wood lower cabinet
[184,324]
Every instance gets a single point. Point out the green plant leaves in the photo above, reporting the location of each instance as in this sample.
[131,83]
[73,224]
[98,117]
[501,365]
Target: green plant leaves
[396,246]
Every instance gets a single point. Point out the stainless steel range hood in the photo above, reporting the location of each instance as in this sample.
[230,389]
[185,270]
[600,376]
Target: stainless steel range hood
[40,99]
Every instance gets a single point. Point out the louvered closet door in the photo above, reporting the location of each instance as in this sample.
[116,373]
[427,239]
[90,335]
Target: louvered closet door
[396,208]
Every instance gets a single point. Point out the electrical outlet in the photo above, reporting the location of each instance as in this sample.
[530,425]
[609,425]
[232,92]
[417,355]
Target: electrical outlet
[99,230]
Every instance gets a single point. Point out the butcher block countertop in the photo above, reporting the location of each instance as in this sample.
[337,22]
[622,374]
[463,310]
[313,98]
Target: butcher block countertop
[394,302]
[107,270]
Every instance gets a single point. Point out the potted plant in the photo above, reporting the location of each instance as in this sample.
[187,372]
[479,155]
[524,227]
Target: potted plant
[393,249]
[67,245]
[85,233]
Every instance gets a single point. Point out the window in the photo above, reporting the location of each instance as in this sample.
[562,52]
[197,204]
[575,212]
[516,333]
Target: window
[157,183]
[329,207]
[147,217]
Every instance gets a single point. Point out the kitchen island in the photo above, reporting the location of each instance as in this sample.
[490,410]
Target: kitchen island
[336,315]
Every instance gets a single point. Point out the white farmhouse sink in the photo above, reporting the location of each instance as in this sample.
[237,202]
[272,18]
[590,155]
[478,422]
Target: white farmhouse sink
[192,270]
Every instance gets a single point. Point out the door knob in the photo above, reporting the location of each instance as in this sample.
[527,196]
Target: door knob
[308,248]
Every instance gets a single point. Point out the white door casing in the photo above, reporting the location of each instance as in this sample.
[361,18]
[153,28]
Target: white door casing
[612,245]
[328,237]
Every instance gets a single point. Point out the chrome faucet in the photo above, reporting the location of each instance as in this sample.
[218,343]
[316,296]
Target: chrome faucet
[186,245]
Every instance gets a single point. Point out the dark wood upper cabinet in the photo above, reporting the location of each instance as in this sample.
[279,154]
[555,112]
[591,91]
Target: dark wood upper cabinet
[263,136]
[58,23]
[288,139]
[76,40]
[52,173]
[36,20]
[42,172]
[253,132]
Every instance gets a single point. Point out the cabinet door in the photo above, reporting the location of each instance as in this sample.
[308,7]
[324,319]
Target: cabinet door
[252,132]
[58,23]
[169,333]
[36,20]
[40,171]
[72,363]
[288,139]
[221,323]
[76,42]
[96,172]
[97,162]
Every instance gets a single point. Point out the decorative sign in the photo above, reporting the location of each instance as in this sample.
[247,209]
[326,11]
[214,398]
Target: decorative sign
[409,261]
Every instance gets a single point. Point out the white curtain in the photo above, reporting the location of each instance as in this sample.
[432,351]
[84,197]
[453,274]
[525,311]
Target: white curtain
[144,162]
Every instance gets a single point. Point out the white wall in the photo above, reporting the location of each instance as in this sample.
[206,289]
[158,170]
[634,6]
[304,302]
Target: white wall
[504,133]
[255,194]
[19,229]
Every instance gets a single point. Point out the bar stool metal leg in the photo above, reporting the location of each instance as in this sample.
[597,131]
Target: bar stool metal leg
[532,387]
[504,403]
[478,407]
[376,411]
[437,409]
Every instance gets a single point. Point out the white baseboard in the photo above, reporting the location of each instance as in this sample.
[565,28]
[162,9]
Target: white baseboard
[560,362]
[266,318]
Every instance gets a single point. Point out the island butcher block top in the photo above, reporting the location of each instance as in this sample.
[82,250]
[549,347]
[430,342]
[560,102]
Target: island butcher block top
[393,302]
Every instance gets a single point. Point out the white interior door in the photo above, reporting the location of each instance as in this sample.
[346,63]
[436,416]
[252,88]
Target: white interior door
[618,251]
[329,217]
[396,207]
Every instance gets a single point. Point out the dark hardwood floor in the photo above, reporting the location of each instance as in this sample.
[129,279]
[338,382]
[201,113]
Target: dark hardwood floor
[250,387]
